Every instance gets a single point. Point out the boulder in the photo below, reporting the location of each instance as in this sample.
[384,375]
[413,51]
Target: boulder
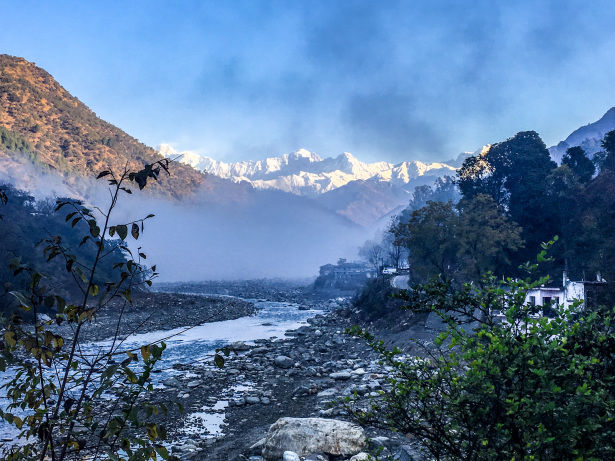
[361,457]
[239,346]
[290,456]
[313,435]
[283,361]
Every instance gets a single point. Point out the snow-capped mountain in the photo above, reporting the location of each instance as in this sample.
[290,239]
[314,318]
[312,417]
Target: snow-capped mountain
[306,173]
[588,137]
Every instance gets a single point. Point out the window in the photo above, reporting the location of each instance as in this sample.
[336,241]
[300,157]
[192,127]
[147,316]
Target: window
[533,300]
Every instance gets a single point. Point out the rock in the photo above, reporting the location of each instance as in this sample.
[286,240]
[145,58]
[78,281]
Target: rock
[340,375]
[283,361]
[361,457]
[290,456]
[192,384]
[313,435]
[252,400]
[256,458]
[327,392]
[171,382]
[239,346]
[406,453]
[317,457]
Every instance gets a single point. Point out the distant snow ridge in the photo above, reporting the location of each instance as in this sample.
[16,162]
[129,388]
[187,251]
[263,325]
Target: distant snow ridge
[306,173]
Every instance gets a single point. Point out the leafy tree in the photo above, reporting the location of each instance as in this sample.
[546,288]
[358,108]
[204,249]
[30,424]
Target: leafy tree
[565,190]
[430,236]
[519,387]
[514,173]
[486,238]
[578,161]
[608,143]
[57,386]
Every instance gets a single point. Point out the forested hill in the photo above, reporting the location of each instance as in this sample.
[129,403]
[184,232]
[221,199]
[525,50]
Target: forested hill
[41,121]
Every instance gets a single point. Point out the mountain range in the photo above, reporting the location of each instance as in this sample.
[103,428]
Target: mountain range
[362,192]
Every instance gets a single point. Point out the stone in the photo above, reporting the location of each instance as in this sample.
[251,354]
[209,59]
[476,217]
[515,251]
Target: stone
[252,400]
[290,456]
[192,384]
[340,375]
[283,361]
[327,392]
[406,453]
[305,436]
[317,457]
[239,346]
[361,457]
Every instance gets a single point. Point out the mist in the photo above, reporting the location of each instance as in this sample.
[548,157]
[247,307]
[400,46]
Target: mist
[269,235]
[224,231]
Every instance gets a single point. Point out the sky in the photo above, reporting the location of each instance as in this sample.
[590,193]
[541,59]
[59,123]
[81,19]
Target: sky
[385,80]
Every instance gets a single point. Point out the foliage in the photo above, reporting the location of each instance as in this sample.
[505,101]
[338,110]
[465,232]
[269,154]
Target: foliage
[59,385]
[501,382]
[513,172]
[26,225]
[430,239]
[376,299]
[486,238]
[576,159]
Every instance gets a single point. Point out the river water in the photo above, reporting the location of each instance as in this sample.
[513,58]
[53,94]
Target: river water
[186,346]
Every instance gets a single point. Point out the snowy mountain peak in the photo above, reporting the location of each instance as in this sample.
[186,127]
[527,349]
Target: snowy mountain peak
[306,173]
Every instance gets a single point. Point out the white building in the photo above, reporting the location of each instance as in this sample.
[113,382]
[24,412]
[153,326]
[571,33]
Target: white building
[562,297]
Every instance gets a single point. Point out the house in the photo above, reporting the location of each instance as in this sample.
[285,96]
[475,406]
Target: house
[344,275]
[548,298]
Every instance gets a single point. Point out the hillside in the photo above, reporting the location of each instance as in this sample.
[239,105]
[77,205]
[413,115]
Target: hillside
[42,122]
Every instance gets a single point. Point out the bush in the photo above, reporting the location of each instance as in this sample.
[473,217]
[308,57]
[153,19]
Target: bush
[510,386]
[57,389]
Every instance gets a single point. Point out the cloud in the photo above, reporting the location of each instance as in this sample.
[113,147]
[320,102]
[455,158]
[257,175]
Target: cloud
[390,122]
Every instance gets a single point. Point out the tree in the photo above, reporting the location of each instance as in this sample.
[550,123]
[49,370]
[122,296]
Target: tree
[486,238]
[59,384]
[578,161]
[394,248]
[430,236]
[608,143]
[374,254]
[514,173]
[523,388]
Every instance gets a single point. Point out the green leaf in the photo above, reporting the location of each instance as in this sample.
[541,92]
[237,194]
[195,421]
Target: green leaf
[9,338]
[145,352]
[122,231]
[135,231]
[219,361]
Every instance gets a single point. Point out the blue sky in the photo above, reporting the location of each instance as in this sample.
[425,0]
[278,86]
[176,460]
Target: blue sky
[385,80]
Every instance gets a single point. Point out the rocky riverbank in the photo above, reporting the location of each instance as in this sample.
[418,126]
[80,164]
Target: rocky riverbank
[228,412]
[153,311]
